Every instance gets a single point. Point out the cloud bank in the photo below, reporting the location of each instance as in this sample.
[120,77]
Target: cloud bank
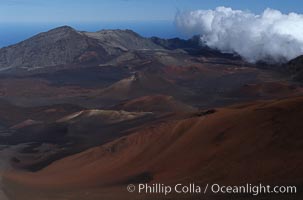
[271,36]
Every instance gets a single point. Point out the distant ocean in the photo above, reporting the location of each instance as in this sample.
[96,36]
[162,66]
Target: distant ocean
[11,33]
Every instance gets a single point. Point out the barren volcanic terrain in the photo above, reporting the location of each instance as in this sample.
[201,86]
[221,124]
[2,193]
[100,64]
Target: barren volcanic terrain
[84,114]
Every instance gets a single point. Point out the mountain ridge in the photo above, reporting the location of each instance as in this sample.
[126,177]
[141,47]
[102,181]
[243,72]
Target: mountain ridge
[65,45]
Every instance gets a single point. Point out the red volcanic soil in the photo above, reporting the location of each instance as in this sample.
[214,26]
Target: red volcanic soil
[267,89]
[154,103]
[180,71]
[88,56]
[248,143]
[209,70]
[32,87]
[142,84]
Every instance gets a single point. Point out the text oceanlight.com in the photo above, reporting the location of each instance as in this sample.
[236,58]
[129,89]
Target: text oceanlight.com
[193,188]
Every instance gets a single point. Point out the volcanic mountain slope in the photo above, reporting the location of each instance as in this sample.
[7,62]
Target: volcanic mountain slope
[267,90]
[124,40]
[11,115]
[105,68]
[71,134]
[56,47]
[196,84]
[295,67]
[35,92]
[154,103]
[141,84]
[86,124]
[233,145]
[65,45]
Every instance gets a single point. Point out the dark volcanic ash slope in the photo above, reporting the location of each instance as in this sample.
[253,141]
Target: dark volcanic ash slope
[65,45]
[295,67]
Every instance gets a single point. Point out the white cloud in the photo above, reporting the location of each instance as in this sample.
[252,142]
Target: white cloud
[271,36]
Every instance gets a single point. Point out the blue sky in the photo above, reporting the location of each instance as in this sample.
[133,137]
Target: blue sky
[20,19]
[124,10]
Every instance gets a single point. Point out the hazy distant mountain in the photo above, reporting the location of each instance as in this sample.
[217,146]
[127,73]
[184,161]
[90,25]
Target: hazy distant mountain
[65,45]
[177,43]
[193,46]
